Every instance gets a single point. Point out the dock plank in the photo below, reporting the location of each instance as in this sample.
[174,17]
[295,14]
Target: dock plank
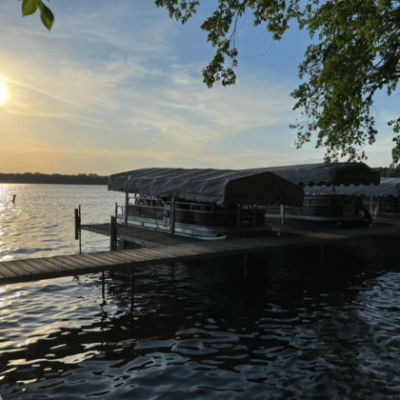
[42,265]
[61,265]
[85,260]
[6,272]
[136,255]
[70,260]
[124,258]
[25,267]
[14,267]
[106,258]
[151,254]
[34,267]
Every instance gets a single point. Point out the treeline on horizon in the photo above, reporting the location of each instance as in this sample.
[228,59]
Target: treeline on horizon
[37,177]
[94,179]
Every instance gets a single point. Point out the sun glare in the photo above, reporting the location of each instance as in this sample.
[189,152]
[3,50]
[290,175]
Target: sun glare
[3,92]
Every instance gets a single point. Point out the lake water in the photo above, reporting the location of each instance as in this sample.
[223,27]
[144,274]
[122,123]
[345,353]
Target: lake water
[293,331]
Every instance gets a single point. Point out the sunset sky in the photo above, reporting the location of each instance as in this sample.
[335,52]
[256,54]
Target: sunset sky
[117,85]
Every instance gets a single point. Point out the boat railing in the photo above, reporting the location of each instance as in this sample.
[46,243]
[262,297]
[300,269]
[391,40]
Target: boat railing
[198,214]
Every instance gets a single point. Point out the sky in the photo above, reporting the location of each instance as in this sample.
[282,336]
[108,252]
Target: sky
[117,85]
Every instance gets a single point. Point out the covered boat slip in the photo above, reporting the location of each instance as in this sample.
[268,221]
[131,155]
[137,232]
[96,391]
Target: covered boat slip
[383,200]
[219,187]
[203,203]
[327,174]
[321,202]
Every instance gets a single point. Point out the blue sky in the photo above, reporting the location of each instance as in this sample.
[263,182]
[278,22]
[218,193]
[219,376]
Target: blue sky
[117,85]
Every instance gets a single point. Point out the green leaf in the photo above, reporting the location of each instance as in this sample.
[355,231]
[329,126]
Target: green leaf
[46,15]
[29,7]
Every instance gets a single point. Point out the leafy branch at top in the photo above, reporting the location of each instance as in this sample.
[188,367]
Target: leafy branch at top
[30,6]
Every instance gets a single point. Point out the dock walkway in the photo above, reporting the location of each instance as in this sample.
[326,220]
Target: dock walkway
[179,251]
[141,236]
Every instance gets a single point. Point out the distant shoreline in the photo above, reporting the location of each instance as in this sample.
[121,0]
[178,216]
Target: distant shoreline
[54,179]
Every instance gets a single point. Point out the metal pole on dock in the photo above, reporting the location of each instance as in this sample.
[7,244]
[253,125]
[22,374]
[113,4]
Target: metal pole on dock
[103,289]
[126,208]
[113,234]
[76,214]
[282,214]
[173,216]
[80,230]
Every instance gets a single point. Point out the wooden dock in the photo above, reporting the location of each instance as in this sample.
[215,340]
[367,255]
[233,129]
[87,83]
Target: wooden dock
[141,236]
[179,250]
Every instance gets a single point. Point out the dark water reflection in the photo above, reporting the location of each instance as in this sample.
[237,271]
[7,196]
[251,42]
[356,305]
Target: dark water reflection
[294,330]
[294,333]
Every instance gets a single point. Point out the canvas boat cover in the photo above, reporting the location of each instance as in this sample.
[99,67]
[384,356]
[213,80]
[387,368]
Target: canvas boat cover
[328,174]
[387,187]
[221,187]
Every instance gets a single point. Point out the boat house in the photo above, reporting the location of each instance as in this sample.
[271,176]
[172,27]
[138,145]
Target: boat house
[383,200]
[322,202]
[202,203]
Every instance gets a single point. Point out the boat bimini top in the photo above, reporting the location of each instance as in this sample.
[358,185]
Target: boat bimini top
[328,174]
[387,188]
[220,187]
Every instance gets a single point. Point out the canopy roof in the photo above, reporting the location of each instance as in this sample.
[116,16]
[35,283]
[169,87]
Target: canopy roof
[387,187]
[214,186]
[328,174]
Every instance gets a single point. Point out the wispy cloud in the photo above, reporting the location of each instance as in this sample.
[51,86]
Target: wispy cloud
[111,88]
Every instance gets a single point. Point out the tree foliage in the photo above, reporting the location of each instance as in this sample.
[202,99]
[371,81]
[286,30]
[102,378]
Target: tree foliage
[355,52]
[30,6]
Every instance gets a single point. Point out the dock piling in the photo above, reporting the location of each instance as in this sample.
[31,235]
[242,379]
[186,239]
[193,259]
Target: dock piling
[76,213]
[103,289]
[14,197]
[126,208]
[283,216]
[80,230]
[113,234]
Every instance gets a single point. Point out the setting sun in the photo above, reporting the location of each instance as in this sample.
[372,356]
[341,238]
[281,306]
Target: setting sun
[3,92]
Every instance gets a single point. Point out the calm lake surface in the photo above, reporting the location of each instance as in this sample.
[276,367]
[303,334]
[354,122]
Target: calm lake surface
[292,331]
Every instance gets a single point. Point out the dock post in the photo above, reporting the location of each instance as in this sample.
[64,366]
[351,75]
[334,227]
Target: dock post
[132,292]
[103,289]
[126,208]
[282,214]
[14,197]
[173,216]
[113,234]
[76,214]
[80,230]
[245,265]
